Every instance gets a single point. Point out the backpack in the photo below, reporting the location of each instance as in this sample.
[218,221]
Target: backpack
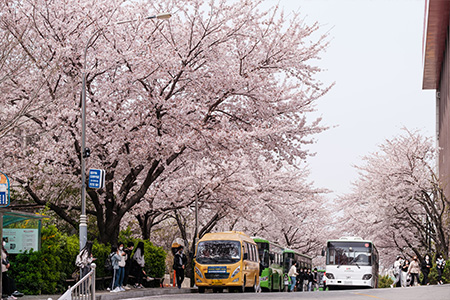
[108,262]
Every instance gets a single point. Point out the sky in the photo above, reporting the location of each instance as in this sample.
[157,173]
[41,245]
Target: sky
[375,60]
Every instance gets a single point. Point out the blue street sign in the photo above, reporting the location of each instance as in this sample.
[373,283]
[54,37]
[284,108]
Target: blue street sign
[3,198]
[96,178]
[4,190]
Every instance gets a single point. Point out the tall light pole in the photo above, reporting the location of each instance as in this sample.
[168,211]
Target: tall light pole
[85,152]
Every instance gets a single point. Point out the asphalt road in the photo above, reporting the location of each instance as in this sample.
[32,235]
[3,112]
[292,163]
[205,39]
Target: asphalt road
[434,292]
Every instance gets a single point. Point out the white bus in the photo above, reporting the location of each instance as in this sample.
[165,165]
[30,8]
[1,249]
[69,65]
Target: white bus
[351,262]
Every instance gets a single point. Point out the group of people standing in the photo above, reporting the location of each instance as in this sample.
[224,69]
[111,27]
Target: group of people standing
[407,273]
[303,279]
[123,262]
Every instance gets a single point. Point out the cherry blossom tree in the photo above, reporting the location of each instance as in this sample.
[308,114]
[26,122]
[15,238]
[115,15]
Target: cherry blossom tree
[398,200]
[219,79]
[20,106]
[279,205]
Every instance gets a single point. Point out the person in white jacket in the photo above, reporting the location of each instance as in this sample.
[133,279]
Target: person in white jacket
[122,263]
[397,271]
[293,275]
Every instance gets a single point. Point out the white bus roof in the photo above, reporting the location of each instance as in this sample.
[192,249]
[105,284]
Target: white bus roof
[351,239]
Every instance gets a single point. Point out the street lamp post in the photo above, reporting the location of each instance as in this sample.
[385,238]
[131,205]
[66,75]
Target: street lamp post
[85,152]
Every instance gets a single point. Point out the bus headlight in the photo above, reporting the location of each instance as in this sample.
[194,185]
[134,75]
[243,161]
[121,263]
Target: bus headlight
[236,271]
[330,276]
[198,272]
[367,276]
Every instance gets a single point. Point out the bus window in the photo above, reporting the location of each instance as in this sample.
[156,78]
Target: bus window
[250,252]
[245,249]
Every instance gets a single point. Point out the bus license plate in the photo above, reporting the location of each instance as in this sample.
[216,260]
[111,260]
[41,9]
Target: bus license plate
[217,282]
[217,269]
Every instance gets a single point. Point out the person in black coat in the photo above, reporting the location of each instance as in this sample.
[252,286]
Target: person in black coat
[179,264]
[300,278]
[310,278]
[128,264]
[426,267]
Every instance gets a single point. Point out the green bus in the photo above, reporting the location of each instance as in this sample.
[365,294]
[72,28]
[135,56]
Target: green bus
[271,265]
[289,258]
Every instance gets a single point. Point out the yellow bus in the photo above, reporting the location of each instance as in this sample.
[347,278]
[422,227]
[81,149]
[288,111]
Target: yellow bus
[226,260]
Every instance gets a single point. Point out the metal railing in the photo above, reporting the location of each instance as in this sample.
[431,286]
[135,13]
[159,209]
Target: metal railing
[83,289]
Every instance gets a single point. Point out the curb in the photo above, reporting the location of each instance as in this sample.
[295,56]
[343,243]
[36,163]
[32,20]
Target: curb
[105,295]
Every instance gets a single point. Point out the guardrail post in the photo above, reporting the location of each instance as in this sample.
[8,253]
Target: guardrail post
[93,266]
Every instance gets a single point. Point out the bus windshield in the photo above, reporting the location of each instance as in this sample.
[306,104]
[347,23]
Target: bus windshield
[349,253]
[218,252]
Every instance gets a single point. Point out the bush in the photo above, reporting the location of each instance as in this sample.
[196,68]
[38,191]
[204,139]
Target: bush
[385,281]
[44,271]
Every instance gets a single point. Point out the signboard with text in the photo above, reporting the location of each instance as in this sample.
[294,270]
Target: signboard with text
[96,178]
[19,240]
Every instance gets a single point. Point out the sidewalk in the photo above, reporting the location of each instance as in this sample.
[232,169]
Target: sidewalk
[134,293]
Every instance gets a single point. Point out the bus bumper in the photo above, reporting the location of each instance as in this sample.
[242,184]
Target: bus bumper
[348,283]
[212,283]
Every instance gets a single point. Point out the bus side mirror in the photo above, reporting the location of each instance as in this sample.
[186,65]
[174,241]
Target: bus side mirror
[245,256]
[323,252]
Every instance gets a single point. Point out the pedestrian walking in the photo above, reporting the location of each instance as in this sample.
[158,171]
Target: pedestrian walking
[305,279]
[315,280]
[324,280]
[426,267]
[300,278]
[397,271]
[404,270]
[128,264]
[310,280]
[139,263]
[293,275]
[440,264]
[413,270]
[179,265]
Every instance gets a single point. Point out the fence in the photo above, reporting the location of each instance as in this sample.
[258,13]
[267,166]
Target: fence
[83,289]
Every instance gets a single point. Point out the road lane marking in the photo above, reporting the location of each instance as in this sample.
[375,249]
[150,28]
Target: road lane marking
[369,296]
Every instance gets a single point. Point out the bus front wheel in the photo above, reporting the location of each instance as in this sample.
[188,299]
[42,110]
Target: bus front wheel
[201,289]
